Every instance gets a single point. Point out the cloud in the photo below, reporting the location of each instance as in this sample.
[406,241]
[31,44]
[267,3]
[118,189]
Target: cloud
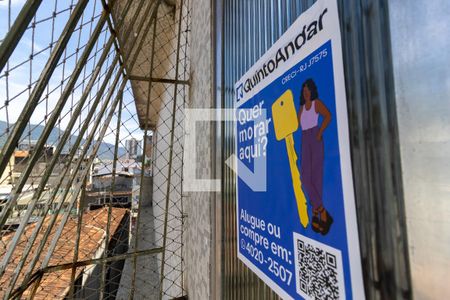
[5,3]
[28,43]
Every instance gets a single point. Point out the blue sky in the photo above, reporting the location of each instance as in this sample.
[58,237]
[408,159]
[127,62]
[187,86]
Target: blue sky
[37,43]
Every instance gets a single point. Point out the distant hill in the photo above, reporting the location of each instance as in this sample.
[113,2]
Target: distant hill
[106,150]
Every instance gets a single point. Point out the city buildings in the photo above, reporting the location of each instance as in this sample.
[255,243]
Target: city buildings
[132,147]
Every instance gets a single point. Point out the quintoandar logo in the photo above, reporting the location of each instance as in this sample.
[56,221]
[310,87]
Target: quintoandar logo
[239,92]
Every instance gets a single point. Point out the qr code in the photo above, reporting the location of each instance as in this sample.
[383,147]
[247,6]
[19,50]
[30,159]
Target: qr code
[318,270]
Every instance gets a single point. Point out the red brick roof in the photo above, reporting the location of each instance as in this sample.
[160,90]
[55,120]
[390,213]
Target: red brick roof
[56,285]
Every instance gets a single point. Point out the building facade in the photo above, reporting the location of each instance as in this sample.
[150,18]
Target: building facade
[395,164]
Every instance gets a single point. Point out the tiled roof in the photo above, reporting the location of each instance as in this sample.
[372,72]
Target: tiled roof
[55,285]
[21,153]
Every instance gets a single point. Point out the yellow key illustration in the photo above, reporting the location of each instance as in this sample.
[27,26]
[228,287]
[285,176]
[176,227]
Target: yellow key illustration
[285,122]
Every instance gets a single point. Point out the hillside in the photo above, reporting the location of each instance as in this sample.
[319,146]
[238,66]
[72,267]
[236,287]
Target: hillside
[105,151]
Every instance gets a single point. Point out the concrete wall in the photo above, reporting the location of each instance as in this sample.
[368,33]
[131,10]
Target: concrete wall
[166,152]
[198,205]
[189,239]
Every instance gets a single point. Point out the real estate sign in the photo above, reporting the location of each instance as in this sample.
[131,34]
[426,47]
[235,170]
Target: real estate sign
[296,221]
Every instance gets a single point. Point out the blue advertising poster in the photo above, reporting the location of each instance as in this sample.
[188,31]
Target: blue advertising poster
[295,213]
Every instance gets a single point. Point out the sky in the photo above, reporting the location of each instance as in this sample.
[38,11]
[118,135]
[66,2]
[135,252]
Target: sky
[15,87]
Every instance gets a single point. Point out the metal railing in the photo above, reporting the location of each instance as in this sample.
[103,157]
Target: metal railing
[79,83]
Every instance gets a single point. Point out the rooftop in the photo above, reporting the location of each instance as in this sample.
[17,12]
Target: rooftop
[56,285]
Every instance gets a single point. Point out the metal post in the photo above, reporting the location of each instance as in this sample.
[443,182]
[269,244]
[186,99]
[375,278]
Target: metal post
[33,278]
[136,242]
[73,150]
[113,182]
[37,276]
[100,260]
[53,118]
[50,167]
[172,134]
[42,242]
[71,202]
[61,144]
[183,215]
[69,183]
[33,290]
[39,88]
[77,239]
[133,61]
[17,30]
[84,174]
